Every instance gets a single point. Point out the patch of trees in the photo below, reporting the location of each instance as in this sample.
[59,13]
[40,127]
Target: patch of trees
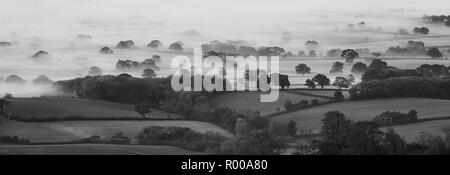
[302,69]
[180,137]
[42,80]
[123,89]
[13,140]
[95,71]
[271,51]
[337,67]
[130,65]
[127,44]
[14,79]
[155,44]
[106,51]
[359,68]
[421,30]
[257,136]
[379,70]
[412,48]
[438,19]
[334,53]
[389,118]
[176,46]
[343,136]
[5,44]
[402,87]
[311,44]
[340,135]
[41,56]
[434,53]
[344,82]
[349,55]
[148,73]
[321,80]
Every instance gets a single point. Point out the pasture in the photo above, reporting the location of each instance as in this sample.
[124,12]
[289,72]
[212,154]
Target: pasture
[65,131]
[251,100]
[410,131]
[92,149]
[66,107]
[366,110]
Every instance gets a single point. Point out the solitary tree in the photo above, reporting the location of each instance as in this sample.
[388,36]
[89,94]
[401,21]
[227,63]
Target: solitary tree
[349,55]
[341,82]
[292,128]
[321,80]
[142,109]
[337,67]
[95,71]
[434,53]
[311,84]
[302,69]
[359,68]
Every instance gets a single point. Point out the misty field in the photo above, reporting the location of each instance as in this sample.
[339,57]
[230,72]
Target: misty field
[75,130]
[69,107]
[92,149]
[366,110]
[251,100]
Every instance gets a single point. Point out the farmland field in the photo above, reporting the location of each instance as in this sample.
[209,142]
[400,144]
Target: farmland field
[74,130]
[411,131]
[66,107]
[251,100]
[92,149]
[367,109]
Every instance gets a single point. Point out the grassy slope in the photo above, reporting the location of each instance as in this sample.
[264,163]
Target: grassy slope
[240,100]
[93,149]
[411,131]
[366,110]
[63,107]
[74,130]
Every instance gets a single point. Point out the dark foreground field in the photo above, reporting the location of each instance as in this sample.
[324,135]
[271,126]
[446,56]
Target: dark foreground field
[92,149]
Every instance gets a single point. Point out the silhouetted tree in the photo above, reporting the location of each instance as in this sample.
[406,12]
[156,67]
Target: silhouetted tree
[302,69]
[142,109]
[321,80]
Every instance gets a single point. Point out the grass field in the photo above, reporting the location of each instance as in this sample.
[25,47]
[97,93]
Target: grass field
[251,100]
[411,131]
[66,107]
[92,149]
[367,109]
[74,130]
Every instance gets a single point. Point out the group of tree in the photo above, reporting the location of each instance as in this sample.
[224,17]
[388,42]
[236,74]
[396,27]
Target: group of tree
[122,88]
[130,65]
[421,30]
[344,82]
[412,48]
[389,118]
[438,19]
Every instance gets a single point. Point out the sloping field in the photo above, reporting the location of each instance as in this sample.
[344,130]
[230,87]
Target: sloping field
[367,109]
[251,100]
[66,107]
[92,149]
[411,131]
[73,130]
